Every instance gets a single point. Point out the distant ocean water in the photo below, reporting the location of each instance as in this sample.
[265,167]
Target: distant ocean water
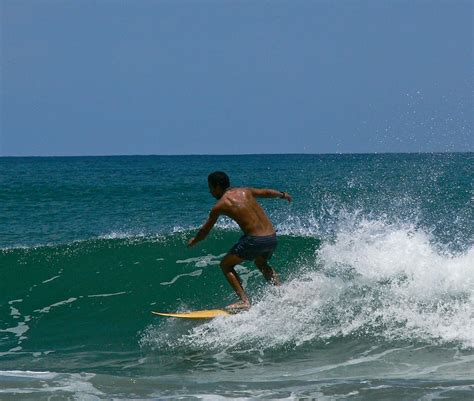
[376,254]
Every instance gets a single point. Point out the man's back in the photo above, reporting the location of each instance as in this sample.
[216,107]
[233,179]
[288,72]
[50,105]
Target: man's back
[241,205]
[259,241]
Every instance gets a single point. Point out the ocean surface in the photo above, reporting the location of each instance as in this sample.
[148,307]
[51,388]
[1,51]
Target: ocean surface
[375,252]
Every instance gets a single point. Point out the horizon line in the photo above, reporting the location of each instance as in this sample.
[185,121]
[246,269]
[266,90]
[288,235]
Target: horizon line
[234,154]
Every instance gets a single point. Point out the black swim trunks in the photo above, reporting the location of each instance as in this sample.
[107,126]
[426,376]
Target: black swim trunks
[250,247]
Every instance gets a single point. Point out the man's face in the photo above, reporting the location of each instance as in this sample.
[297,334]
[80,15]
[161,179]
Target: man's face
[214,191]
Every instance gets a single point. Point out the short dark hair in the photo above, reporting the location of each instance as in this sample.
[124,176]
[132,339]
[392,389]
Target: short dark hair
[219,179]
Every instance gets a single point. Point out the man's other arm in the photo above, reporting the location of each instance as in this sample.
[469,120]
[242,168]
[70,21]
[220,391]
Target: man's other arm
[270,193]
[207,226]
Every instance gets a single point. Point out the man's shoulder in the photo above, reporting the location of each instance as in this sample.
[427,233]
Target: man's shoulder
[237,193]
[241,189]
[220,205]
[232,197]
[238,189]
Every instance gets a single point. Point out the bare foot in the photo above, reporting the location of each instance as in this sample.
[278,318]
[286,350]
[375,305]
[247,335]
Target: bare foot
[238,306]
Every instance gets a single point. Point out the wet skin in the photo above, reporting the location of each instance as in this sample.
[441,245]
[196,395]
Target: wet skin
[240,204]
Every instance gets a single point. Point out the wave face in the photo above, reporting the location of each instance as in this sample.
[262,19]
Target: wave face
[376,255]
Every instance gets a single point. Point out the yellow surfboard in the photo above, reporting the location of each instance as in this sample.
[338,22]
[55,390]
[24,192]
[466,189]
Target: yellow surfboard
[199,314]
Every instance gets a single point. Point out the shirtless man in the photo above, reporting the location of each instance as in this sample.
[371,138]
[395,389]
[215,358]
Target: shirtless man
[259,239]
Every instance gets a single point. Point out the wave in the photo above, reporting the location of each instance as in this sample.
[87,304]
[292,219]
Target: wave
[389,282]
[372,279]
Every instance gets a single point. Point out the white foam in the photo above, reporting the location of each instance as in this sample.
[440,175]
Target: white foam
[15,301]
[27,374]
[78,384]
[195,273]
[19,330]
[307,226]
[379,251]
[203,261]
[432,293]
[55,305]
[11,351]
[51,279]
[107,295]
[122,235]
[225,223]
[14,312]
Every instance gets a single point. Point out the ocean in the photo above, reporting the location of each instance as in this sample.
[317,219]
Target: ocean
[375,253]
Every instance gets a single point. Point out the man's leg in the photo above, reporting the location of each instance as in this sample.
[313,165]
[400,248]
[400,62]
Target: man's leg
[227,265]
[268,272]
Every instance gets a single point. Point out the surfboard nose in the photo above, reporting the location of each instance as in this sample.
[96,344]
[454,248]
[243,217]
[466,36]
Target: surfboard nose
[200,314]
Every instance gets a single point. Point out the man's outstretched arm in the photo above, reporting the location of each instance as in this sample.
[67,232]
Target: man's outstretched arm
[204,230]
[270,193]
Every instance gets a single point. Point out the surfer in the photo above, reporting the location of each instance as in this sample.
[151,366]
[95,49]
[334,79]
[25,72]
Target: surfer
[259,239]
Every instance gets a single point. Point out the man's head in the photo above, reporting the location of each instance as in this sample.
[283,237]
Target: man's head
[218,182]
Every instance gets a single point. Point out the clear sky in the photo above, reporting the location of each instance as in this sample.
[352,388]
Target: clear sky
[110,77]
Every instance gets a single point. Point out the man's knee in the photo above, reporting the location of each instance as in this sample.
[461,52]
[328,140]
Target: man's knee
[226,265]
[229,261]
[261,263]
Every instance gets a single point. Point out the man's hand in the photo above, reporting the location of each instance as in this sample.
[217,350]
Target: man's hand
[287,196]
[204,230]
[192,242]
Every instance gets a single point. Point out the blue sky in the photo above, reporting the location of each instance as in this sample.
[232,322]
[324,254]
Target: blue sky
[227,77]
